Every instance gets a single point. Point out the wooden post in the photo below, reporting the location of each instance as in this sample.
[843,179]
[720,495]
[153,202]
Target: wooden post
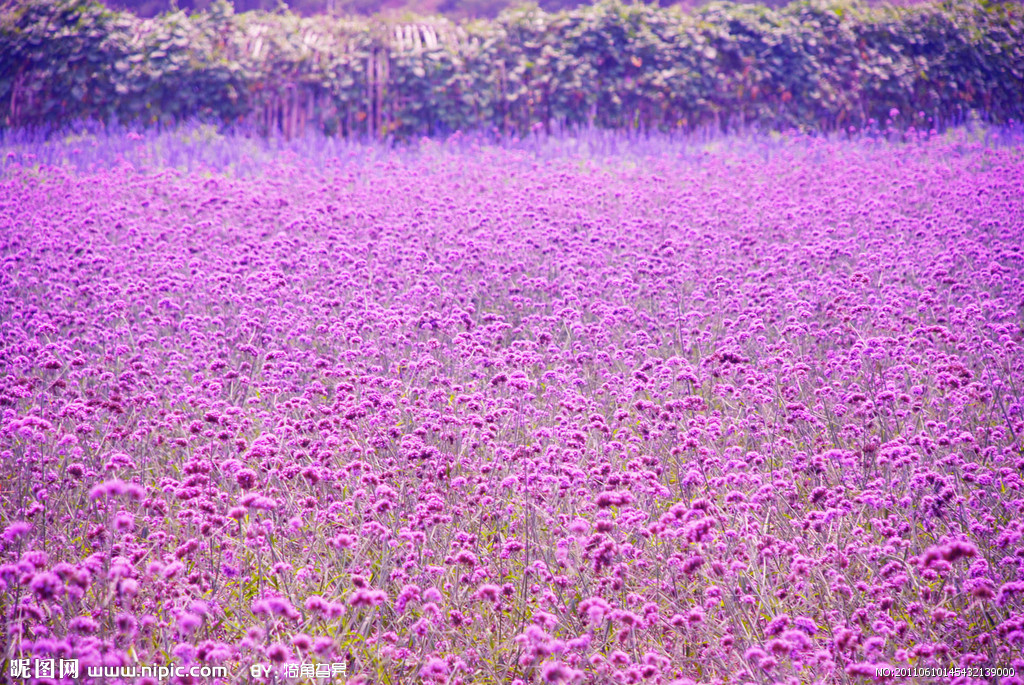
[293,111]
[384,66]
[371,88]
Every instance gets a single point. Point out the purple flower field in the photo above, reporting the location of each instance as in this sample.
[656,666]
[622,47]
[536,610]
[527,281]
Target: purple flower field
[476,415]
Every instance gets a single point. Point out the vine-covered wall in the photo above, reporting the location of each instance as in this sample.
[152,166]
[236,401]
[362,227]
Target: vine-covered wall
[610,65]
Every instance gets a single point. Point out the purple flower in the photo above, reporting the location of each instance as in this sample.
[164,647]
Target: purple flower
[46,585]
[557,672]
[16,530]
[434,668]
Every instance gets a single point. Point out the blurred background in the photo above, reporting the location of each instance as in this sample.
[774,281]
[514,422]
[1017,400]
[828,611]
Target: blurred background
[456,9]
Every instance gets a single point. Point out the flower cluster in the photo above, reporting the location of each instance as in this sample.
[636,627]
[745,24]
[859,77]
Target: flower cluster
[474,416]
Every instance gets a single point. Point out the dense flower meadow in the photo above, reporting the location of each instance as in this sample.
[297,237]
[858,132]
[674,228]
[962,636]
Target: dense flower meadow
[476,416]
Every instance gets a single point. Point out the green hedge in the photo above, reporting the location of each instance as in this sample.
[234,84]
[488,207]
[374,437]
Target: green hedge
[610,65]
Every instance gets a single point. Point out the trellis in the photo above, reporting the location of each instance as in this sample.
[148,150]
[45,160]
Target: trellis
[295,104]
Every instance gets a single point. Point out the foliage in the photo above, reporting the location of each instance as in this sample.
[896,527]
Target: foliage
[611,65]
